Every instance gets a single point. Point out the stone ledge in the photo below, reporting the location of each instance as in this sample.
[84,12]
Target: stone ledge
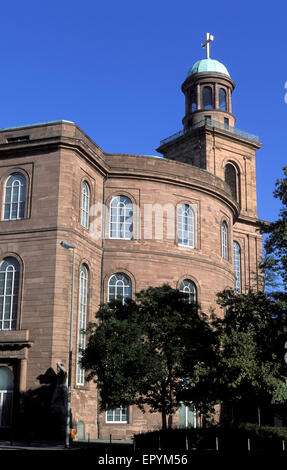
[14,339]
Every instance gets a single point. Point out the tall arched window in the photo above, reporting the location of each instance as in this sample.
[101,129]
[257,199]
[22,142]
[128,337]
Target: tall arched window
[185,226]
[237,266]
[224,240]
[188,288]
[207,98]
[83,306]
[119,287]
[9,293]
[230,177]
[222,99]
[6,396]
[85,204]
[15,197]
[121,218]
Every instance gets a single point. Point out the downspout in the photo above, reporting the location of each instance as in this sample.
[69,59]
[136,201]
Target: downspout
[102,284]
[103,237]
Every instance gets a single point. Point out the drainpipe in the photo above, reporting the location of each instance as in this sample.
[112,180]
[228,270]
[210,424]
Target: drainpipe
[102,284]
[103,238]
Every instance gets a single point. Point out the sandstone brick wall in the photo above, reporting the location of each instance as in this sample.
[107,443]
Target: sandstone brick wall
[56,159]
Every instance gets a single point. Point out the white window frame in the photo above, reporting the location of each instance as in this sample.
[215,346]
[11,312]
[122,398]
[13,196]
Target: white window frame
[17,183]
[187,286]
[224,241]
[113,411]
[121,207]
[122,282]
[9,293]
[222,108]
[237,265]
[185,226]
[82,321]
[85,204]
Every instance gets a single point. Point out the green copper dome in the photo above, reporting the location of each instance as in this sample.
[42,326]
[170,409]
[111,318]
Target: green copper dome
[208,65]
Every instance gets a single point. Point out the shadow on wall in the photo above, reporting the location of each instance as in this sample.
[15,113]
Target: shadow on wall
[41,413]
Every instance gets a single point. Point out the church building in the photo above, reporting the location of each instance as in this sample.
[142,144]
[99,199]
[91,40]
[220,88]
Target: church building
[80,226]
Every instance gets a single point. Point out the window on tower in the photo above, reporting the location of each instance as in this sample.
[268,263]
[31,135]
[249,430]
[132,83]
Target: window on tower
[222,99]
[193,101]
[226,123]
[230,177]
[207,98]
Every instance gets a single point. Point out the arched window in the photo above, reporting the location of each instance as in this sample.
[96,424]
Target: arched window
[188,288]
[15,197]
[121,218]
[83,305]
[222,99]
[237,266]
[207,98]
[185,226]
[230,177]
[9,293]
[193,101]
[85,204]
[6,396]
[120,286]
[224,240]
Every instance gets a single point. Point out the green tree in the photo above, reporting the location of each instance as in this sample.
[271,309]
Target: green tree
[276,242]
[149,351]
[251,368]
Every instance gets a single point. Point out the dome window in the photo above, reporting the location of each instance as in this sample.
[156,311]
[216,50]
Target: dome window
[222,99]
[193,101]
[207,98]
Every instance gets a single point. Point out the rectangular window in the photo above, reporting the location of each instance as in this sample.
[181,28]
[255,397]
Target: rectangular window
[117,415]
[226,123]
[208,120]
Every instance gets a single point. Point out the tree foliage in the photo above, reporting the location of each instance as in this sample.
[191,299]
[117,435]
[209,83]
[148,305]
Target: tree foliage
[276,241]
[251,367]
[149,351]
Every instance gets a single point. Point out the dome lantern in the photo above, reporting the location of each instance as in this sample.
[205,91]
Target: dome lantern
[207,89]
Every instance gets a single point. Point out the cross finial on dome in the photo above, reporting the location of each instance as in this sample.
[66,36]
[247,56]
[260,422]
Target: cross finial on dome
[209,38]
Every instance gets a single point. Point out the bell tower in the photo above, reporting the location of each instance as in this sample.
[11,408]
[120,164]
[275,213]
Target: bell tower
[207,90]
[210,141]
[209,138]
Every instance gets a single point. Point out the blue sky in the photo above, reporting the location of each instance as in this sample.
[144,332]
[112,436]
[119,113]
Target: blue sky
[116,69]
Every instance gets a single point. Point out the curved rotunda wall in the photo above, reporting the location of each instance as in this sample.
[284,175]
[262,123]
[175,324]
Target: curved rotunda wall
[154,256]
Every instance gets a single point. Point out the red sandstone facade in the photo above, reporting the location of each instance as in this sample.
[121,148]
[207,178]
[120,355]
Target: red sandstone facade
[55,159]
